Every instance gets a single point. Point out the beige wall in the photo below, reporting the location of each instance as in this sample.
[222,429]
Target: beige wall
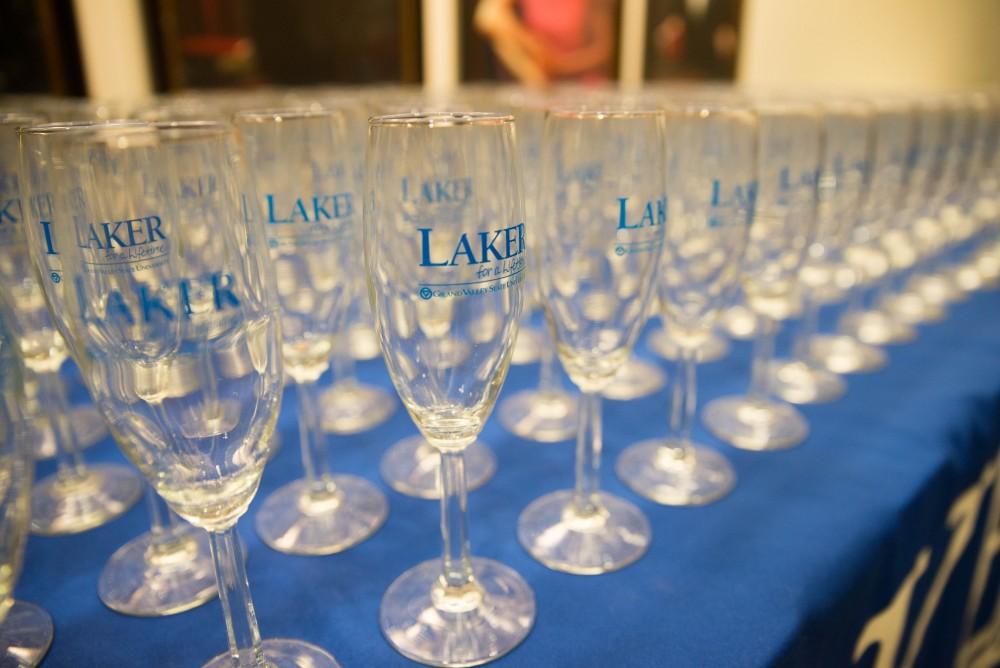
[876,43]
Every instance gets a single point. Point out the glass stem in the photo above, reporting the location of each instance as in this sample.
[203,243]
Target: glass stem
[455,563]
[157,517]
[548,380]
[808,326]
[586,493]
[341,361]
[234,594]
[312,440]
[684,400]
[763,355]
[855,300]
[52,396]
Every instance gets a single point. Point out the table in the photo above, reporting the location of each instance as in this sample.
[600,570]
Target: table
[842,545]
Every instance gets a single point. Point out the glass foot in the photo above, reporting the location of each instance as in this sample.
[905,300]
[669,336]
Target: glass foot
[909,307]
[636,378]
[715,348]
[877,328]
[527,346]
[936,289]
[67,504]
[547,417]
[674,476]
[554,533]
[25,636]
[988,266]
[87,424]
[755,425]
[468,628]
[411,467]
[352,407]
[968,278]
[844,354]
[144,581]
[798,382]
[284,653]
[363,343]
[739,322]
[296,520]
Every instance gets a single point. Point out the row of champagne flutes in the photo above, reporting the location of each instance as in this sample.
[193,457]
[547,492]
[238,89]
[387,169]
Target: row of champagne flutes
[601,164]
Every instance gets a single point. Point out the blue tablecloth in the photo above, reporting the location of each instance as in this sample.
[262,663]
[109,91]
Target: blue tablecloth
[789,570]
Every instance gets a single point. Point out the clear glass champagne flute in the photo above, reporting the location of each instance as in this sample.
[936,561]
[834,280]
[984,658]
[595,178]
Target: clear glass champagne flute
[445,254]
[547,413]
[25,629]
[77,497]
[788,160]
[603,202]
[711,183]
[410,466]
[926,236]
[305,181]
[895,135]
[170,304]
[799,379]
[166,570]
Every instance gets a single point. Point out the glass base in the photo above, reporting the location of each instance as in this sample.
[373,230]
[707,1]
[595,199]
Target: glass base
[798,382]
[87,424]
[935,289]
[352,407]
[411,465]
[25,636]
[554,533]
[988,266]
[528,346]
[294,520]
[363,343]
[547,417]
[968,278]
[475,625]
[635,379]
[739,322]
[72,504]
[662,472]
[284,653]
[715,347]
[755,425]
[877,328]
[140,581]
[909,307]
[845,354]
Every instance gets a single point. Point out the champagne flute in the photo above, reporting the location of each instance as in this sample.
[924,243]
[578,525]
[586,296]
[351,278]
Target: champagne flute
[306,185]
[77,497]
[895,126]
[711,181]
[847,138]
[25,629]
[411,465]
[546,414]
[172,304]
[445,254]
[603,202]
[788,160]
[166,570]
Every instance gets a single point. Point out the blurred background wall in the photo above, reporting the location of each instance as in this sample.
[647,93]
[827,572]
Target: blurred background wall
[882,43]
[121,49]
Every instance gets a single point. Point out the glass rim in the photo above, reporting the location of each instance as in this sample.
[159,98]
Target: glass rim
[82,127]
[281,114]
[25,118]
[601,112]
[441,119]
[182,129]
